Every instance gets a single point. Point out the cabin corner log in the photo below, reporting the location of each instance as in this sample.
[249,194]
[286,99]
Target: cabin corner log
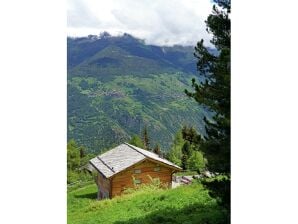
[103,185]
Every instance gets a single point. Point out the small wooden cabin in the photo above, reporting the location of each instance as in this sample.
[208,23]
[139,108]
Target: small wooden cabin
[127,166]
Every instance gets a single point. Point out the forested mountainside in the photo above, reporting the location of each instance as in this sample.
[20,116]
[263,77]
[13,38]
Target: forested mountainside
[117,85]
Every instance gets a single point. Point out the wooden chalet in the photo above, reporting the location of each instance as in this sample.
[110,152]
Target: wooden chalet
[127,166]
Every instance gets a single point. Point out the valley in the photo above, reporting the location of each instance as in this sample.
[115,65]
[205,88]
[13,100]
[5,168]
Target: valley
[119,85]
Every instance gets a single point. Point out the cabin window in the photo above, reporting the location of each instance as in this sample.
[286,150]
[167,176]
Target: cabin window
[137,171]
[157,168]
[137,181]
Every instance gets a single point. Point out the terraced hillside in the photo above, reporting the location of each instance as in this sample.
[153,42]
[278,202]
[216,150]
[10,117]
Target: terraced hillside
[117,85]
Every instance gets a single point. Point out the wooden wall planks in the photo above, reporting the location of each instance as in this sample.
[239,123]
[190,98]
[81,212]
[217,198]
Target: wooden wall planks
[125,179]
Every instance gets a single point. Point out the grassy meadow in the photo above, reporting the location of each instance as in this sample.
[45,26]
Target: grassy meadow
[185,204]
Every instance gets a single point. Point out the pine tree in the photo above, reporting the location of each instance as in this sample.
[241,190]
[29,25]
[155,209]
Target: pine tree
[146,139]
[214,93]
[157,150]
[190,135]
[82,152]
[184,162]
[73,155]
[186,152]
[196,161]
[175,153]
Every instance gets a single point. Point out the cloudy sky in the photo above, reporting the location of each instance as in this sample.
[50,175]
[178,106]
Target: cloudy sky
[160,22]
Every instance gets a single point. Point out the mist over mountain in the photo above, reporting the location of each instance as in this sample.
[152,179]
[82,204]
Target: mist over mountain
[118,84]
[109,51]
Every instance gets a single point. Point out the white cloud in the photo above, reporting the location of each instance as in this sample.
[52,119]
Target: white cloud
[160,22]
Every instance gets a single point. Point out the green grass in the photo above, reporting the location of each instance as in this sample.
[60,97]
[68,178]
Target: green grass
[186,204]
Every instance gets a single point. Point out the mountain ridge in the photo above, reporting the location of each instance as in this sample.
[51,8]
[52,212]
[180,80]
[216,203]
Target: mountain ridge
[118,85]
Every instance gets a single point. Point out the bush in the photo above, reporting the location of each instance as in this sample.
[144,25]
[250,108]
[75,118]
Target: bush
[196,161]
[154,185]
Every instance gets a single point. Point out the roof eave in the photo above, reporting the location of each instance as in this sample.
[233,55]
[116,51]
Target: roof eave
[98,170]
[165,164]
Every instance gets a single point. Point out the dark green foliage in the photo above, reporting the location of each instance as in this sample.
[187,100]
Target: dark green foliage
[82,152]
[186,151]
[175,153]
[76,158]
[184,162]
[73,155]
[157,150]
[184,154]
[190,135]
[214,93]
[136,141]
[220,188]
[146,140]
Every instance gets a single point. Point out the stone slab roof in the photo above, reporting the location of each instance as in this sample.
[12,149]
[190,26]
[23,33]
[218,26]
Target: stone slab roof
[124,156]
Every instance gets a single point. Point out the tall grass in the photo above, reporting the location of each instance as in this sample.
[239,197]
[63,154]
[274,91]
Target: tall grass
[146,204]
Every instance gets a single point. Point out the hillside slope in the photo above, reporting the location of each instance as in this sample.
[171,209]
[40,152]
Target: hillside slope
[112,52]
[117,85]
